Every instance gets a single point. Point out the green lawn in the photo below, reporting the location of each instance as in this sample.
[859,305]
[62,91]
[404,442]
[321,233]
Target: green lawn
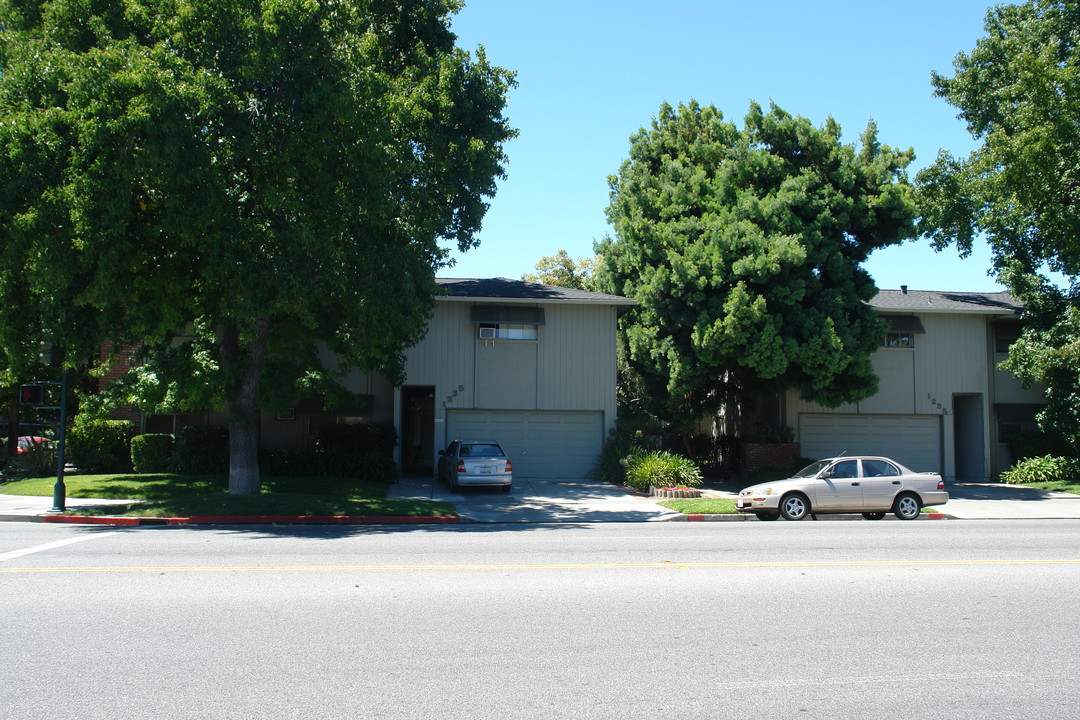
[701,506]
[169,495]
[1066,486]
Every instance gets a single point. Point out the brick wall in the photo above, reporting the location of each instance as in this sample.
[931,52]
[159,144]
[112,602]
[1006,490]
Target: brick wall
[125,361]
[768,456]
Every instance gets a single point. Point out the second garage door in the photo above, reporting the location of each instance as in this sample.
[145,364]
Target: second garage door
[911,440]
[539,443]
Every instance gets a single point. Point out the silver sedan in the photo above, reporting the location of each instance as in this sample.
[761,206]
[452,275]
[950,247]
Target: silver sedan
[475,462]
[871,486]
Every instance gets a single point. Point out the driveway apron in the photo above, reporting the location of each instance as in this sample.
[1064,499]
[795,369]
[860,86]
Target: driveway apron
[535,500]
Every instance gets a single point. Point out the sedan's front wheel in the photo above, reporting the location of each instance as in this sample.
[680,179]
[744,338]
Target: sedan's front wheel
[873,515]
[907,507]
[795,506]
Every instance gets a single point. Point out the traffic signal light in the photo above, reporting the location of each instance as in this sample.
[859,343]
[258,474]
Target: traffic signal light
[32,395]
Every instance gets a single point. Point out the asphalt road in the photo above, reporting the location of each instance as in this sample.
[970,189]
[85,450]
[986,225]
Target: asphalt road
[769,620]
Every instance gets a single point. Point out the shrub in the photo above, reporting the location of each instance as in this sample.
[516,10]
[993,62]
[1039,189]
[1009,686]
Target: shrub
[658,468]
[1036,443]
[364,452]
[1047,468]
[150,452]
[38,461]
[202,450]
[378,439]
[97,445]
[609,464]
[283,461]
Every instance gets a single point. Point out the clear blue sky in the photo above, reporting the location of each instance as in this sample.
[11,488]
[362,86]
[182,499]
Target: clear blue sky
[593,72]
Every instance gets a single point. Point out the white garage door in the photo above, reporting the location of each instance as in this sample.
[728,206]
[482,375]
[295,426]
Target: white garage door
[911,440]
[539,443]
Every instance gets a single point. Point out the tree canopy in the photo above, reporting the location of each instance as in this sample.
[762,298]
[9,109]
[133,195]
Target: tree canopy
[264,179]
[743,248]
[561,270]
[1019,92]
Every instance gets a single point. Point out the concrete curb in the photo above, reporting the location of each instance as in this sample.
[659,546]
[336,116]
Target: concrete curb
[743,517]
[246,520]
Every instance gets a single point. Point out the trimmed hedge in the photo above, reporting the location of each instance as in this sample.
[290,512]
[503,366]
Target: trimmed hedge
[150,452]
[95,445]
[364,452]
[201,450]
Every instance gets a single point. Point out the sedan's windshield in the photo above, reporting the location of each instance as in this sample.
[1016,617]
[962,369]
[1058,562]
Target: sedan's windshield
[812,469]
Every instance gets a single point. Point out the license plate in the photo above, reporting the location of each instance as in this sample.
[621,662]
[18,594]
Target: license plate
[487,469]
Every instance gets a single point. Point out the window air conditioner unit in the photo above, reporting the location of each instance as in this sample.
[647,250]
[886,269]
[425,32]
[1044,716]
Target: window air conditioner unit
[487,333]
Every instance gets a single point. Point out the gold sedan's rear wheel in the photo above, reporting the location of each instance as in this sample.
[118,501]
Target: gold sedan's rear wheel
[907,506]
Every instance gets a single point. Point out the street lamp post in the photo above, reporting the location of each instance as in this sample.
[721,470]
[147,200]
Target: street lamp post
[59,490]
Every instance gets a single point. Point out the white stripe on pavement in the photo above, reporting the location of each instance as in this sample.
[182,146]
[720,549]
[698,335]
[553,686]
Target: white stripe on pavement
[49,546]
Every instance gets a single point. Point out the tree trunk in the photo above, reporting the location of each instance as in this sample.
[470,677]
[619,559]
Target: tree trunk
[246,368]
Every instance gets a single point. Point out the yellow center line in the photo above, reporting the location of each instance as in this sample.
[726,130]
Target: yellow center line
[539,566]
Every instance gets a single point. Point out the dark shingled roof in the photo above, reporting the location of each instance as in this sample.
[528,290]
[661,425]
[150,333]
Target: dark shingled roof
[998,303]
[505,289]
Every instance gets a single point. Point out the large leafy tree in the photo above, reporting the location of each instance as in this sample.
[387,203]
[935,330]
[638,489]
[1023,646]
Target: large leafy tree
[267,178]
[1019,92]
[561,270]
[743,247]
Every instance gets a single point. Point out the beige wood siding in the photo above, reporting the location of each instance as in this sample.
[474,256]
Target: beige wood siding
[573,370]
[953,357]
[446,357]
[950,358]
[895,368]
[1009,391]
[505,375]
[576,368]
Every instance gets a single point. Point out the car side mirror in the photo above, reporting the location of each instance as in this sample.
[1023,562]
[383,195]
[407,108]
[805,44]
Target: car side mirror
[442,452]
[828,474]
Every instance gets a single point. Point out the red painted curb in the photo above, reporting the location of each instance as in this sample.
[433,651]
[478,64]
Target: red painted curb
[251,520]
[91,520]
[316,519]
[935,516]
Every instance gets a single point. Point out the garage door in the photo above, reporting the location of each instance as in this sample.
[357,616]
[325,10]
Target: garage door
[911,440]
[539,443]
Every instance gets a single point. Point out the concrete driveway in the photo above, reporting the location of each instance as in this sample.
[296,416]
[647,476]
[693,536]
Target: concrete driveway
[535,500]
[998,501]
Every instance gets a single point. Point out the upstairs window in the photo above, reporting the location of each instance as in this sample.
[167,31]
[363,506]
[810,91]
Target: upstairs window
[899,340]
[1004,336]
[902,331]
[490,331]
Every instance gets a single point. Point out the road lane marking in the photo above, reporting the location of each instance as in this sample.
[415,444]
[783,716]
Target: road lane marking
[49,546]
[568,566]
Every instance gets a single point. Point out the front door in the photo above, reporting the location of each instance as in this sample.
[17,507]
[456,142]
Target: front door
[418,431]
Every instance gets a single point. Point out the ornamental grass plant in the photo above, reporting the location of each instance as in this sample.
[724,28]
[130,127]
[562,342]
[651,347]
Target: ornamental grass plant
[646,469]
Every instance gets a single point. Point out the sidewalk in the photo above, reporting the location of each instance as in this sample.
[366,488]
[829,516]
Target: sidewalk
[998,501]
[535,500]
[15,508]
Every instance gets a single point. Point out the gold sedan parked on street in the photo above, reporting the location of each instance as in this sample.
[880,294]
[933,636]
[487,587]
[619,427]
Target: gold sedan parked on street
[871,486]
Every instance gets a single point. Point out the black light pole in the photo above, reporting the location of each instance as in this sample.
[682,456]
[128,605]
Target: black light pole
[59,490]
